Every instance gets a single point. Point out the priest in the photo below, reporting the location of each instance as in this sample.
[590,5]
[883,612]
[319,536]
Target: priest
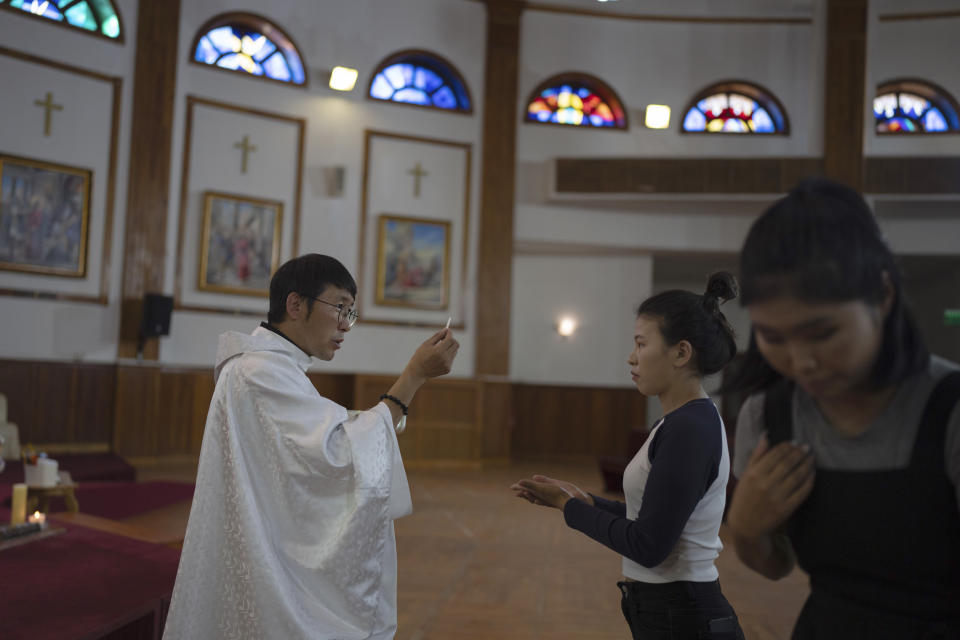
[291,529]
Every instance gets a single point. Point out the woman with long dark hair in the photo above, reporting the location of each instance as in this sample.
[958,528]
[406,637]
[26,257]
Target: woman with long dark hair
[848,446]
[675,486]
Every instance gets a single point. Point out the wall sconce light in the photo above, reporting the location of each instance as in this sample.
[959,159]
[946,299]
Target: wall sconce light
[343,78]
[657,116]
[566,326]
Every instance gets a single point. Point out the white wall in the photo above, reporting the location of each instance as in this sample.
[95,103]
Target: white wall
[644,62]
[922,49]
[357,34]
[668,63]
[601,292]
[55,330]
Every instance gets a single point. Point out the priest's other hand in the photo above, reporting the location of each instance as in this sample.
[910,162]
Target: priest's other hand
[775,482]
[435,356]
[549,492]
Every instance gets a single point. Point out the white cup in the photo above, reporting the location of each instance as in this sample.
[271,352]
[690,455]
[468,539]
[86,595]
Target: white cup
[42,474]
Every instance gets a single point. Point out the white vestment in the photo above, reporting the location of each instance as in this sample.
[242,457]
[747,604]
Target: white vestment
[291,529]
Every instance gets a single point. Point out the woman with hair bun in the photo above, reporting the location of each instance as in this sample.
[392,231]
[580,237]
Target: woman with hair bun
[675,486]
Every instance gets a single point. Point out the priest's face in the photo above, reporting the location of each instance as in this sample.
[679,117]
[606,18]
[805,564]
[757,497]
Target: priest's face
[326,326]
[650,364]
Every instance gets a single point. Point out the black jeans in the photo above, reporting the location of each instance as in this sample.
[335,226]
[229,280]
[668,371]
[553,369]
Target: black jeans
[678,611]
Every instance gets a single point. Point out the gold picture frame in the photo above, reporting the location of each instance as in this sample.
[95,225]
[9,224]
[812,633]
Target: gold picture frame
[413,262]
[239,244]
[44,217]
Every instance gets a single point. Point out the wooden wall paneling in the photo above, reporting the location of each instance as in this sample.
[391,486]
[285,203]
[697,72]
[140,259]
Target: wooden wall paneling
[648,17]
[845,91]
[442,427]
[445,411]
[175,415]
[58,403]
[148,186]
[496,420]
[574,421]
[94,402]
[203,385]
[939,175]
[681,175]
[16,383]
[136,411]
[337,387]
[53,403]
[919,15]
[497,176]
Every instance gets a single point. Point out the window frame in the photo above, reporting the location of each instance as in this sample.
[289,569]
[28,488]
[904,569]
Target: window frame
[929,91]
[263,26]
[121,36]
[756,92]
[592,82]
[413,56]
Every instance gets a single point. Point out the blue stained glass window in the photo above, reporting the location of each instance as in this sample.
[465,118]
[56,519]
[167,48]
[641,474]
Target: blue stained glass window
[250,45]
[81,16]
[265,51]
[419,78]
[95,16]
[277,68]
[206,52]
[445,99]
[915,106]
[933,120]
[411,95]
[734,107]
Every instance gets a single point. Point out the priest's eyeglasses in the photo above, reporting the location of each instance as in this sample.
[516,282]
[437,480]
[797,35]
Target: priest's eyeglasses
[345,315]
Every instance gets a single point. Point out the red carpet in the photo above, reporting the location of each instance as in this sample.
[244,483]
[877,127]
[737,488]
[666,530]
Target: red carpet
[106,487]
[117,500]
[89,467]
[85,584]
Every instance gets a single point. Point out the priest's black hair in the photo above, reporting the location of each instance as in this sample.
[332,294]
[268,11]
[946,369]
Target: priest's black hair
[308,275]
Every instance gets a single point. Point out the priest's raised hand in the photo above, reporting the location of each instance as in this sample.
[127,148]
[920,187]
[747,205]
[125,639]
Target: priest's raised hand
[432,359]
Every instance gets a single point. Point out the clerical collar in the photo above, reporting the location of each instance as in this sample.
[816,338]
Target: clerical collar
[270,327]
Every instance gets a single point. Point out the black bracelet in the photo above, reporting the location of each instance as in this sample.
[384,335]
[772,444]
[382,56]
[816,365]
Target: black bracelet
[391,398]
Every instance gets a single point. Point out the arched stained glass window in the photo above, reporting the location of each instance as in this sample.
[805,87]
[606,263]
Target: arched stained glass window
[915,106]
[735,107]
[93,16]
[576,99]
[420,78]
[249,44]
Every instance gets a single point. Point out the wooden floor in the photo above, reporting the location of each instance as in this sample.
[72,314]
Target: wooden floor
[478,564]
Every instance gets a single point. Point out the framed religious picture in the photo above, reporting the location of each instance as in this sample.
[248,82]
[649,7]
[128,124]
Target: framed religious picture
[413,262]
[44,215]
[240,244]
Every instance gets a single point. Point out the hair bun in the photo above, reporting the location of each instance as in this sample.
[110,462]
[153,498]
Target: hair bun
[721,286]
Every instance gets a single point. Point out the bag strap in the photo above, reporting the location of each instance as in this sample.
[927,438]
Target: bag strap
[929,446]
[778,411]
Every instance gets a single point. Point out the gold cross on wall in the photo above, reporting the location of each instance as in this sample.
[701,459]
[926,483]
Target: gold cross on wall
[49,107]
[417,172]
[246,147]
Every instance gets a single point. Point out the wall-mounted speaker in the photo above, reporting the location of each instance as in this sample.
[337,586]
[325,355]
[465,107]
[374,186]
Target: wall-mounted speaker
[155,320]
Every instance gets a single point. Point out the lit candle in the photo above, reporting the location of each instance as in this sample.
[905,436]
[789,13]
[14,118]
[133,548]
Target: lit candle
[18,504]
[38,518]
